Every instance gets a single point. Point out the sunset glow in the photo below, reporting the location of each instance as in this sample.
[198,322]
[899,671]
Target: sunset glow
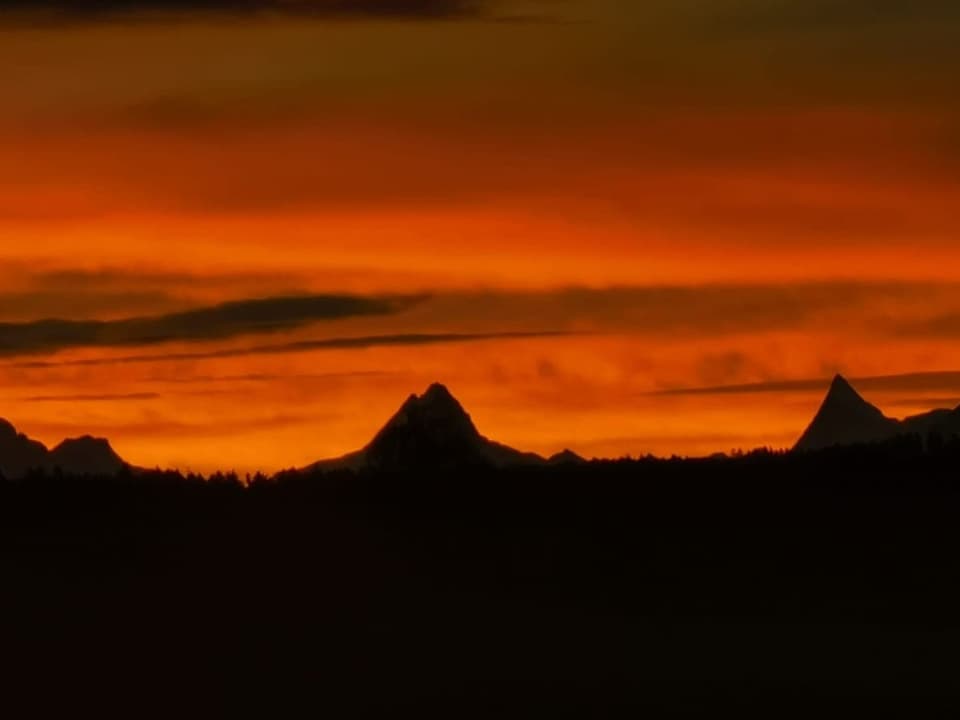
[570,210]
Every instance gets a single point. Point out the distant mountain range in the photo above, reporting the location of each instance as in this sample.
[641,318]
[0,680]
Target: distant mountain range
[845,418]
[432,431]
[76,456]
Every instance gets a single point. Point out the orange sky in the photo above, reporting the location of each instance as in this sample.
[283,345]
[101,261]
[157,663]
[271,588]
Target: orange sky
[684,194]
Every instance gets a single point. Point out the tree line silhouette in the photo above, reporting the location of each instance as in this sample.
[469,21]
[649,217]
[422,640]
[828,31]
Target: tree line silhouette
[765,580]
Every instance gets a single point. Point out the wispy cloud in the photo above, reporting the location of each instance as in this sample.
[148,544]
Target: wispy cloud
[345,343]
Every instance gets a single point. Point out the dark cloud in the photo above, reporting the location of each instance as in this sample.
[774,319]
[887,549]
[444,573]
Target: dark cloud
[345,343]
[86,10]
[91,398]
[678,312]
[944,381]
[232,319]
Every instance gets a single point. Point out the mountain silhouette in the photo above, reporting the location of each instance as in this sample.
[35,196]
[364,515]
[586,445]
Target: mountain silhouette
[430,431]
[845,418]
[86,456]
[940,422]
[433,431]
[566,457]
[78,456]
[18,453]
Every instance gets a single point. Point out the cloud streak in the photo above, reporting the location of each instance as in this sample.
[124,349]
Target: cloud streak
[219,322]
[104,397]
[98,10]
[344,343]
[677,312]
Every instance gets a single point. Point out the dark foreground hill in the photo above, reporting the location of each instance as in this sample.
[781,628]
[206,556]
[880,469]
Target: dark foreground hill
[767,585]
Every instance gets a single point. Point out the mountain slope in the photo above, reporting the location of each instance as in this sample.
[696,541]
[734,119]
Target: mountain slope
[86,456]
[944,424]
[566,457]
[79,456]
[845,418]
[941,422]
[430,431]
[18,453]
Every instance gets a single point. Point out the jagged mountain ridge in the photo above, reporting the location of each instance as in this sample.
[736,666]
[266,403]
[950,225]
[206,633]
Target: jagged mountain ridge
[433,431]
[76,456]
[845,418]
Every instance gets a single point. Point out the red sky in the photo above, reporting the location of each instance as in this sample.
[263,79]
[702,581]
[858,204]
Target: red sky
[681,194]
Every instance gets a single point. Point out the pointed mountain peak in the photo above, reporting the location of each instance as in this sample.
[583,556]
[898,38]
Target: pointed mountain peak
[438,393]
[437,403]
[843,394]
[431,431]
[435,414]
[840,383]
[842,386]
[845,418]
